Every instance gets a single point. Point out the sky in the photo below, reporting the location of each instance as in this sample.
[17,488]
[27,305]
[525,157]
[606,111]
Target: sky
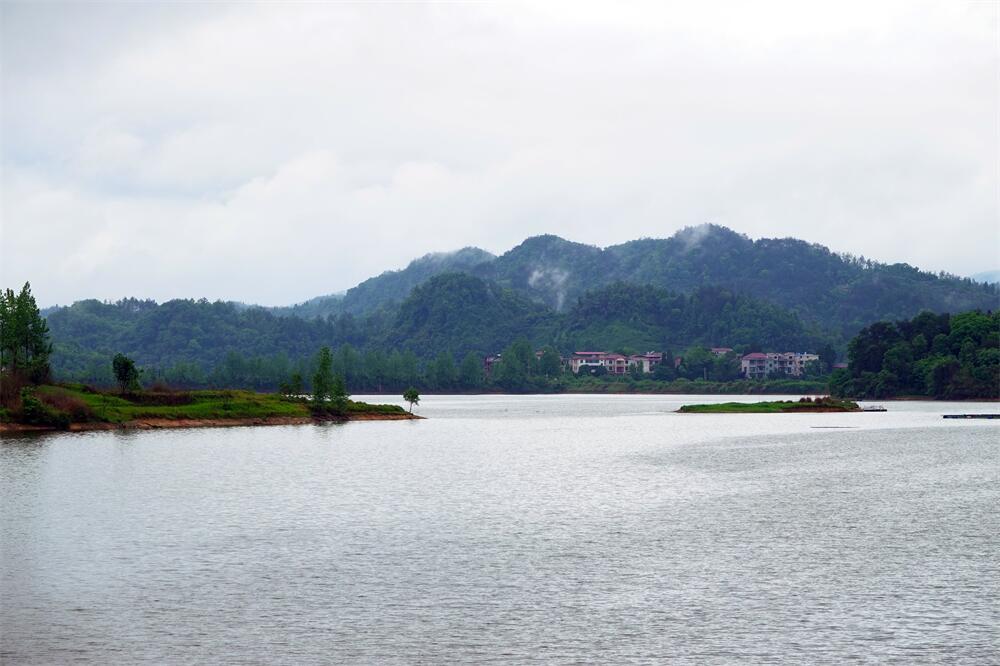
[269,153]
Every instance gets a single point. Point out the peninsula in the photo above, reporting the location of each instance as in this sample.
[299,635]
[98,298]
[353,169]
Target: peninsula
[77,407]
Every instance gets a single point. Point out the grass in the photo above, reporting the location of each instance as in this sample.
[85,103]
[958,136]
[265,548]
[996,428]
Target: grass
[83,404]
[774,407]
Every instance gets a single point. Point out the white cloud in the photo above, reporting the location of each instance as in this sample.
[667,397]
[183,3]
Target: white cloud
[270,153]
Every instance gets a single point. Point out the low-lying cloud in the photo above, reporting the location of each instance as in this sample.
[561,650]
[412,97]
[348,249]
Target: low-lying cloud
[270,153]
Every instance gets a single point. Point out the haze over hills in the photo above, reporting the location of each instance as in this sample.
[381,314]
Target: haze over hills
[991,277]
[838,292]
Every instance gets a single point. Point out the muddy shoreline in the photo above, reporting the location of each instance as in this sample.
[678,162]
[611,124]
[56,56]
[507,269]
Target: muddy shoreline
[158,424]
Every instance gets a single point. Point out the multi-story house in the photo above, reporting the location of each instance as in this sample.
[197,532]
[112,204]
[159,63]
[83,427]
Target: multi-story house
[759,364]
[615,364]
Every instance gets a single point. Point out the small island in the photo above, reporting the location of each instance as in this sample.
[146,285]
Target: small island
[808,405]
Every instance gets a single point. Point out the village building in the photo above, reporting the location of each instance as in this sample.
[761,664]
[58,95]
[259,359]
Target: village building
[759,364]
[614,364]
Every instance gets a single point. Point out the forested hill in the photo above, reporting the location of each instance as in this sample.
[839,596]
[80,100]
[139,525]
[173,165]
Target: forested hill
[389,288]
[838,292]
[452,313]
[704,285]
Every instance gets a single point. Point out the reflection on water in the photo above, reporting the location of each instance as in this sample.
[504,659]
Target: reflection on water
[538,528]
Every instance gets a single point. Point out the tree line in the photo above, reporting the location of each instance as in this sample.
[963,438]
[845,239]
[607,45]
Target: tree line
[937,355]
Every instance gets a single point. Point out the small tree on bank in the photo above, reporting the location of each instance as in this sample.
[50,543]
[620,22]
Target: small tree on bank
[323,379]
[126,374]
[411,396]
[338,394]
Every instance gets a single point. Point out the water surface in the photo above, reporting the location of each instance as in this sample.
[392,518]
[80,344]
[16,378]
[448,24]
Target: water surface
[558,529]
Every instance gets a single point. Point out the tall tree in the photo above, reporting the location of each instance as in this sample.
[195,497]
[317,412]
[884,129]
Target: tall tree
[339,396]
[24,336]
[323,378]
[549,365]
[470,373]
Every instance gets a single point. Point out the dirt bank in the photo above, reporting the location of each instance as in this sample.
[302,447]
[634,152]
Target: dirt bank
[156,424]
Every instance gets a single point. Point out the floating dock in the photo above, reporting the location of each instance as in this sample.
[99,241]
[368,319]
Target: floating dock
[972,416]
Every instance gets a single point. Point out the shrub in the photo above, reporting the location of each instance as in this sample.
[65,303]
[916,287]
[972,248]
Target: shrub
[35,412]
[77,410]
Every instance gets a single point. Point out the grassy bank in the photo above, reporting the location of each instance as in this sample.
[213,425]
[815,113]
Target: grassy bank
[68,405]
[775,407]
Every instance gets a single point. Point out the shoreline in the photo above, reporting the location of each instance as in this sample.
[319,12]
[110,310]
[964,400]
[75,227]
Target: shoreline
[162,423]
[915,398]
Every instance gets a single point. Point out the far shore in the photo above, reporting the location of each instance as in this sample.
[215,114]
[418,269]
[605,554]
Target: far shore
[902,398]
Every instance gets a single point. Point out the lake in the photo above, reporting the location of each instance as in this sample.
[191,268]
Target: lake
[555,529]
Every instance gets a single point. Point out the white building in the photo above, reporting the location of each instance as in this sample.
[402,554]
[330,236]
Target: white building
[792,364]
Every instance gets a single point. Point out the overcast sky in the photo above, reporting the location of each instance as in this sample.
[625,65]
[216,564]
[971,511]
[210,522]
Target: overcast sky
[273,152]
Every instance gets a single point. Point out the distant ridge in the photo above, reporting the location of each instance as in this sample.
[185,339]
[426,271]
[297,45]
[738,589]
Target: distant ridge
[390,287]
[990,277]
[837,291]
[704,285]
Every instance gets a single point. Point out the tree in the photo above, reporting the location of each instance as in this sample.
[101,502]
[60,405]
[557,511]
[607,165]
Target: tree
[295,383]
[339,396]
[411,396]
[126,374]
[323,378]
[24,336]
[442,372]
[827,357]
[549,365]
[470,373]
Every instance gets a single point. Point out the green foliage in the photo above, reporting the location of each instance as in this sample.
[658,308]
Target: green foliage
[126,374]
[389,288]
[549,364]
[34,412]
[823,404]
[339,397]
[323,382]
[647,317]
[442,373]
[610,384]
[463,313]
[58,406]
[470,372]
[411,396]
[390,331]
[889,359]
[837,292]
[24,336]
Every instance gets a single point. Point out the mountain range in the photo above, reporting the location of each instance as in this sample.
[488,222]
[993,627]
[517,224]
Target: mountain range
[839,292]
[704,285]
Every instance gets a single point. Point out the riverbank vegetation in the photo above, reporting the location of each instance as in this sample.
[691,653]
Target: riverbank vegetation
[947,357]
[61,406]
[29,398]
[435,339]
[823,404]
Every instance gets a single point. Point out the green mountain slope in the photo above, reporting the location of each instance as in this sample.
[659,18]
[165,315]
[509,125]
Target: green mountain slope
[459,313]
[837,292]
[622,315]
[389,288]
